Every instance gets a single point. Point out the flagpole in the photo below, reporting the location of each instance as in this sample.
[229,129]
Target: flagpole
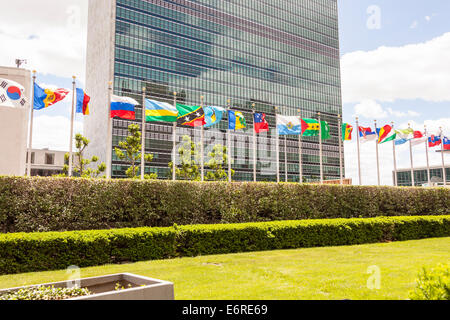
[202,137]
[411,157]
[174,141]
[395,158]
[341,176]
[285,160]
[254,145]
[444,176]
[143,134]
[320,149]
[428,158]
[30,141]
[377,152]
[359,154]
[277,145]
[109,149]
[229,141]
[71,127]
[300,160]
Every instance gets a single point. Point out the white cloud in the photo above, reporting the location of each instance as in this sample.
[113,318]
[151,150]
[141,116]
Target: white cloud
[53,132]
[414,25]
[416,71]
[50,35]
[370,109]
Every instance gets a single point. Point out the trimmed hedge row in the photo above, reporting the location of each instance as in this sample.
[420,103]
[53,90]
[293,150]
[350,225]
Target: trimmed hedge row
[62,204]
[24,252]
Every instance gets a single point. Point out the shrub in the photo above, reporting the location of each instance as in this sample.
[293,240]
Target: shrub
[433,284]
[56,250]
[63,204]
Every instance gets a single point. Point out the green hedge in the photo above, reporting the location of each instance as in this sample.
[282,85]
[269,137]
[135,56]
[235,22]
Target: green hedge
[61,204]
[24,252]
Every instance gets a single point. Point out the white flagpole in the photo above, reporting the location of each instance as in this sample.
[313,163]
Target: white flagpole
[71,127]
[300,160]
[109,147]
[428,158]
[143,134]
[202,151]
[255,150]
[229,141]
[277,145]
[341,173]
[378,157]
[30,138]
[411,157]
[444,176]
[174,141]
[359,154]
[285,160]
[320,149]
[395,159]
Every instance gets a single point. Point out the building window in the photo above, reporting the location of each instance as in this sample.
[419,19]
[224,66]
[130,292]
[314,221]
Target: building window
[50,158]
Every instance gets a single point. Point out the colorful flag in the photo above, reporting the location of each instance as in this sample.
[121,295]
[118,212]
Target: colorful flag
[259,123]
[82,102]
[310,127]
[213,115]
[434,141]
[123,107]
[347,132]
[403,136]
[386,134]
[12,94]
[366,134]
[160,111]
[325,130]
[418,138]
[446,143]
[289,125]
[236,120]
[44,98]
[192,116]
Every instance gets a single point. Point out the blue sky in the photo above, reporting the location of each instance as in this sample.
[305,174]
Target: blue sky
[394,66]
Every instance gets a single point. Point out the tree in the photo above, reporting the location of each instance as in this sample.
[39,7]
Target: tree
[189,158]
[218,158]
[80,163]
[130,152]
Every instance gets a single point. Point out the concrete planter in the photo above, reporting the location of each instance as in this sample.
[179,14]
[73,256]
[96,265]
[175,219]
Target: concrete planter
[103,288]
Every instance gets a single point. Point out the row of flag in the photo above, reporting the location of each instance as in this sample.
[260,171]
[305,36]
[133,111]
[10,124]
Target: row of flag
[44,98]
[399,137]
[13,93]
[208,116]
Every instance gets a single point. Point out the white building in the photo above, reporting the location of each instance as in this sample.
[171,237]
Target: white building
[14,126]
[46,162]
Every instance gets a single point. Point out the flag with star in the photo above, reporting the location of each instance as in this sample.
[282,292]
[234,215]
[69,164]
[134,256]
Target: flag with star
[192,116]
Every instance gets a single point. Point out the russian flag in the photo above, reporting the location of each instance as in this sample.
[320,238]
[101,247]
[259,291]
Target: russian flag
[123,107]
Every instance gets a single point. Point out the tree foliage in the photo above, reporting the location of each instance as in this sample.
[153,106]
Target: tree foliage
[80,163]
[130,152]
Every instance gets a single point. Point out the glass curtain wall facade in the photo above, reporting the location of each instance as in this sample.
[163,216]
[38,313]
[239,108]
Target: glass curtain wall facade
[264,53]
[421,177]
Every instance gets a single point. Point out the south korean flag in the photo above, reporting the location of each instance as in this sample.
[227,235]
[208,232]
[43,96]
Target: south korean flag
[12,94]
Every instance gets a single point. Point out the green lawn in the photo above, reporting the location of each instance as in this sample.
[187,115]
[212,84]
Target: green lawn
[314,273]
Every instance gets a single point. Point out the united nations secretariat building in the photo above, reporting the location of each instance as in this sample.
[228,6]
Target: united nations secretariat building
[263,53]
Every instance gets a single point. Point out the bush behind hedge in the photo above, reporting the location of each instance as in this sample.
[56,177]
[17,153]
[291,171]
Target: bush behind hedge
[61,204]
[22,252]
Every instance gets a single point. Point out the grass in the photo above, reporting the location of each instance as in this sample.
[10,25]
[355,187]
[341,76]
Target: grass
[313,273]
